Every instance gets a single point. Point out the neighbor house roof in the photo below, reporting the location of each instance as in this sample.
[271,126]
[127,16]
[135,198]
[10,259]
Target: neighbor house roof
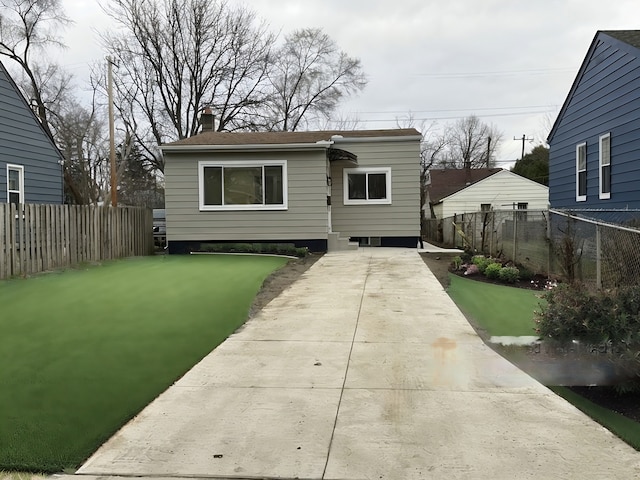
[629,37]
[632,37]
[282,138]
[451,180]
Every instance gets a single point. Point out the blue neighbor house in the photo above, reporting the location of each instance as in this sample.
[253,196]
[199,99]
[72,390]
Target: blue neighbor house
[30,162]
[594,159]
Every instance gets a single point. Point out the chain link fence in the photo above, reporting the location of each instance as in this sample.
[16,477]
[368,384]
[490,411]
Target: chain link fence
[583,246]
[591,250]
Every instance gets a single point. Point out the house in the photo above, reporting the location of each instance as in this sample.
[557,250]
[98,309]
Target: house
[324,190]
[458,191]
[595,141]
[30,162]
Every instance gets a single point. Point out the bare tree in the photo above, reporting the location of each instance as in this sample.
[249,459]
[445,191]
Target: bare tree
[26,27]
[471,143]
[433,148]
[82,139]
[310,76]
[176,56]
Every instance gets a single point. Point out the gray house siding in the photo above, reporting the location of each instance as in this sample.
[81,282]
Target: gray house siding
[401,218]
[24,143]
[605,99]
[306,217]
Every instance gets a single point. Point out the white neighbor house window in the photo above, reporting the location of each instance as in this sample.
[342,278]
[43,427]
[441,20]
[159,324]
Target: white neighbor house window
[243,185]
[15,184]
[367,185]
[522,211]
[581,172]
[605,166]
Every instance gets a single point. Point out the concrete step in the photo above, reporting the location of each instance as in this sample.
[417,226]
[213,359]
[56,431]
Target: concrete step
[336,243]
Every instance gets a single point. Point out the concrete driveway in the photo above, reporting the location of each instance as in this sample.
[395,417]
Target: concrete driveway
[363,369]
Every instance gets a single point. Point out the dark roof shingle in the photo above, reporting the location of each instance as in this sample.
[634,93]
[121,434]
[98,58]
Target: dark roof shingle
[451,180]
[632,37]
[259,138]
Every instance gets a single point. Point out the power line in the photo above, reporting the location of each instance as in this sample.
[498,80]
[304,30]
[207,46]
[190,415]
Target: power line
[456,117]
[498,73]
[457,109]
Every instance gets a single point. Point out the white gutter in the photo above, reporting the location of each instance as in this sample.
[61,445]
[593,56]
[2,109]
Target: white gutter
[322,144]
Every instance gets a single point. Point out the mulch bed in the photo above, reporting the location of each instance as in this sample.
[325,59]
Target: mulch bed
[627,404]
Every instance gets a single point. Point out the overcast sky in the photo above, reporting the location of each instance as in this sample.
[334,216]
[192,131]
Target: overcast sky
[510,62]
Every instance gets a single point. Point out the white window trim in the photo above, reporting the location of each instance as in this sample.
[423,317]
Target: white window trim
[607,195]
[580,198]
[380,201]
[241,163]
[20,169]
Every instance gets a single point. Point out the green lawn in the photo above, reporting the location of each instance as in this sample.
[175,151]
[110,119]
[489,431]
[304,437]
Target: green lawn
[83,351]
[498,309]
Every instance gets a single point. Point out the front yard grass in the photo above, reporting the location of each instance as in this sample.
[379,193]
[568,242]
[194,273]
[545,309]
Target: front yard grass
[83,351]
[500,310]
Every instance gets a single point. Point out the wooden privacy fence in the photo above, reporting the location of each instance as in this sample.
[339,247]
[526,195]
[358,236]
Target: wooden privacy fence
[36,238]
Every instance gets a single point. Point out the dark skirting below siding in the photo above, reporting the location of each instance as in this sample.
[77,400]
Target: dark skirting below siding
[185,247]
[406,242]
[313,245]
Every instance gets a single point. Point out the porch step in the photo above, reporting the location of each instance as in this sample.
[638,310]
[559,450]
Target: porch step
[336,243]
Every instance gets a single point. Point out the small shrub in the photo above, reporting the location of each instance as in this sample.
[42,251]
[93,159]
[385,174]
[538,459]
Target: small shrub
[492,270]
[471,270]
[266,248]
[457,262]
[481,262]
[525,273]
[605,317]
[509,274]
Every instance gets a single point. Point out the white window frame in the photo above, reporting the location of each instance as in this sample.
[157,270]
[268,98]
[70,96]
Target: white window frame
[242,163]
[366,170]
[580,198]
[604,195]
[20,192]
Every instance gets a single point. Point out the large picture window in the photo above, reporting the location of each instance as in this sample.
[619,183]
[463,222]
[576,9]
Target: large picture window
[605,166]
[581,172]
[15,184]
[364,186]
[243,185]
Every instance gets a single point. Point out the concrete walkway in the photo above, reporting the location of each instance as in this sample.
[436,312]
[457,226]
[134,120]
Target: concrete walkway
[363,369]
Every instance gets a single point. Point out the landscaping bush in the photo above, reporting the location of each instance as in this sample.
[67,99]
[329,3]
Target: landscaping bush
[525,273]
[509,274]
[481,262]
[267,248]
[492,270]
[605,317]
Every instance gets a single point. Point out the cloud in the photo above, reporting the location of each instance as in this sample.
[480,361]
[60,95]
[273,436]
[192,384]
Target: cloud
[510,62]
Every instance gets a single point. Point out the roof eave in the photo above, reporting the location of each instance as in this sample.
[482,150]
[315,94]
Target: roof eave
[397,138]
[321,145]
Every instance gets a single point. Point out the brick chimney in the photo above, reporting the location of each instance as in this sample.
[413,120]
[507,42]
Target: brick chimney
[207,120]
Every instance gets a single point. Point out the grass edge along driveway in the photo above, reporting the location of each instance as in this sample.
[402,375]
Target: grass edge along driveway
[498,309]
[83,351]
[509,311]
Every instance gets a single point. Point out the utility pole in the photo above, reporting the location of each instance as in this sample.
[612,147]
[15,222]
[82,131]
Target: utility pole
[523,139]
[488,150]
[112,145]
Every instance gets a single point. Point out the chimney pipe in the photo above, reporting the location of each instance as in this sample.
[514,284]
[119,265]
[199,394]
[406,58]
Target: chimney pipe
[207,120]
